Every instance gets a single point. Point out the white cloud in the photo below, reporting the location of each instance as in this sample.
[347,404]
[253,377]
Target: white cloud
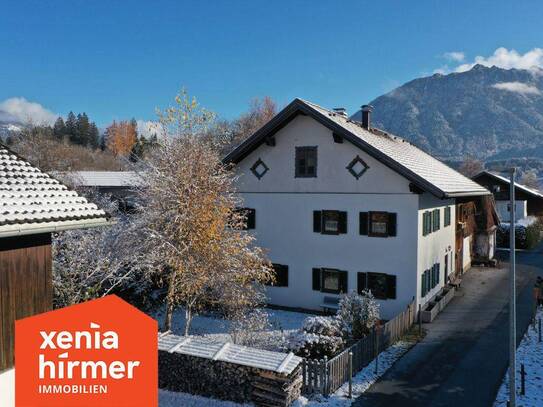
[147,128]
[518,87]
[21,110]
[455,56]
[507,59]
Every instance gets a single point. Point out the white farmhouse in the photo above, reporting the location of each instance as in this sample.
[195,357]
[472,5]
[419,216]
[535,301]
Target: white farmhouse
[343,206]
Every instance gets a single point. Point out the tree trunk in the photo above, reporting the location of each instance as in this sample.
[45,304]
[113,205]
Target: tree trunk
[170,305]
[188,319]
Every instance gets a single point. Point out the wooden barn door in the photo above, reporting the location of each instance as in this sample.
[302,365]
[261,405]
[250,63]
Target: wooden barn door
[25,286]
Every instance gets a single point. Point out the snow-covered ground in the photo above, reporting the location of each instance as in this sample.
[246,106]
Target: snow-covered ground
[218,328]
[361,382]
[529,352]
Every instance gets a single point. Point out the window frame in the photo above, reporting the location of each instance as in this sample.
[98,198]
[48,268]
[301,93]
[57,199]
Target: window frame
[371,233]
[304,150]
[277,268]
[338,274]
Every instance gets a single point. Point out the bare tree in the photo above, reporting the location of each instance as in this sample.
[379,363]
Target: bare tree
[191,226]
[91,263]
[529,179]
[471,166]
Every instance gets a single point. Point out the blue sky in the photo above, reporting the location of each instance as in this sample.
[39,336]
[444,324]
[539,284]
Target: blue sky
[121,59]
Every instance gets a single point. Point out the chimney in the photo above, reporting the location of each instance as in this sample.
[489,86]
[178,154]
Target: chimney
[341,111]
[366,116]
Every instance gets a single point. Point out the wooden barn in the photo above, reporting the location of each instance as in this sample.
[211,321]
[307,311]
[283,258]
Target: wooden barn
[33,205]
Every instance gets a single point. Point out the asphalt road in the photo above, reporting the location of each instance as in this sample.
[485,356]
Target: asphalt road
[464,356]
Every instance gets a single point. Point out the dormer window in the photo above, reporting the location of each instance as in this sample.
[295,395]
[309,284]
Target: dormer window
[306,162]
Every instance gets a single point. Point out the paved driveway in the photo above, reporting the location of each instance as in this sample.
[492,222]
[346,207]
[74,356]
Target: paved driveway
[462,360]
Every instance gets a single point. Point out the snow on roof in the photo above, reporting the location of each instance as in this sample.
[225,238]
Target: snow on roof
[31,201]
[506,180]
[104,178]
[228,352]
[410,161]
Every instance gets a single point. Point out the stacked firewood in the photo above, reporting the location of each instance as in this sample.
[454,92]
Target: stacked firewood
[272,389]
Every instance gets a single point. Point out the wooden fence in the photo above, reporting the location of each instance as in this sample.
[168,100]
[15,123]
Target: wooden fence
[326,376]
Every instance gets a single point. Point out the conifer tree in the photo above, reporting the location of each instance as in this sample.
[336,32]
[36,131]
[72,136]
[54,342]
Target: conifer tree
[59,129]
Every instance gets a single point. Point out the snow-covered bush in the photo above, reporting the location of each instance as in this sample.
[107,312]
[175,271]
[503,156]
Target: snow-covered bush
[357,314]
[313,346]
[327,326]
[527,234]
[247,328]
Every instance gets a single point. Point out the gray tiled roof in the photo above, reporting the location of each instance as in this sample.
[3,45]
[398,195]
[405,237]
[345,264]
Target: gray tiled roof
[422,169]
[33,202]
[415,160]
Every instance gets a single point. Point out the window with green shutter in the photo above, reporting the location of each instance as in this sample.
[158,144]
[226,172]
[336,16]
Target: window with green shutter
[447,217]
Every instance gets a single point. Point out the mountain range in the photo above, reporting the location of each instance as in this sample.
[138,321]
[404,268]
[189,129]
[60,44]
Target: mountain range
[487,112]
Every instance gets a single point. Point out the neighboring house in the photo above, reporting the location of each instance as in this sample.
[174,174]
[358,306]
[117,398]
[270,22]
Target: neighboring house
[33,205]
[119,184]
[528,202]
[343,206]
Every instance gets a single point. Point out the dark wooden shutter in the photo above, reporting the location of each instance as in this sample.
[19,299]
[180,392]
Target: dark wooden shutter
[342,222]
[391,286]
[392,224]
[317,279]
[317,221]
[251,218]
[362,283]
[343,277]
[438,273]
[423,285]
[364,219]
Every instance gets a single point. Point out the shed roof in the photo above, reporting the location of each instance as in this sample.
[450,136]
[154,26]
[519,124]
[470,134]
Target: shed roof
[421,168]
[106,179]
[278,362]
[33,202]
[524,188]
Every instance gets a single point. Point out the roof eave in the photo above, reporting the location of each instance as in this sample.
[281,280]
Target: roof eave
[53,227]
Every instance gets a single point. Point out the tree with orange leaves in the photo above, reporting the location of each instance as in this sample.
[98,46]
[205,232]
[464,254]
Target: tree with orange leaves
[121,137]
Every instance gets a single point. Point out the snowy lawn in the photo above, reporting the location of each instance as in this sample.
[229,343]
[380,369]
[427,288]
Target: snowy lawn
[213,326]
[529,352]
[361,382]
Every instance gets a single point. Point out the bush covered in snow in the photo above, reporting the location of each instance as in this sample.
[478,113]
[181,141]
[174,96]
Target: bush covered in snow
[313,346]
[327,326]
[526,235]
[357,314]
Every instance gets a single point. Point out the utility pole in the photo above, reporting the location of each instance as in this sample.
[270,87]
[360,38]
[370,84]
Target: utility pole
[512,297]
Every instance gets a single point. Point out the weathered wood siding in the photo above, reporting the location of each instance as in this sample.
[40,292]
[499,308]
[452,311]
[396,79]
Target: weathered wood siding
[25,286]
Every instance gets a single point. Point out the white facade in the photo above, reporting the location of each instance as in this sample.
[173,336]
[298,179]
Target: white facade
[284,208]
[503,209]
[7,388]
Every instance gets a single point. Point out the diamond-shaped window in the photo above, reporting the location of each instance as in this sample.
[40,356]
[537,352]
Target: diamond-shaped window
[259,169]
[357,167]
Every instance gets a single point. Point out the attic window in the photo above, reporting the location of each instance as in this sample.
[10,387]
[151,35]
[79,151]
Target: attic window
[259,169]
[357,167]
[306,162]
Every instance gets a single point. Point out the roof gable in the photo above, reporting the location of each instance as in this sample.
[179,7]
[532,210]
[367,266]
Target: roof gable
[423,170]
[33,202]
[505,180]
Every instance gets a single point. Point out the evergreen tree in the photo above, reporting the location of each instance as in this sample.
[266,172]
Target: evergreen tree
[82,129]
[71,127]
[94,136]
[59,129]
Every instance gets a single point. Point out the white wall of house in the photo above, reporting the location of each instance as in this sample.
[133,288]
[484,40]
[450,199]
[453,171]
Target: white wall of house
[284,208]
[433,247]
[7,388]
[521,210]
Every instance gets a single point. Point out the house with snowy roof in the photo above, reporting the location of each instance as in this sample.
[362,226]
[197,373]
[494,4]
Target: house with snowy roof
[33,205]
[341,206]
[528,201]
